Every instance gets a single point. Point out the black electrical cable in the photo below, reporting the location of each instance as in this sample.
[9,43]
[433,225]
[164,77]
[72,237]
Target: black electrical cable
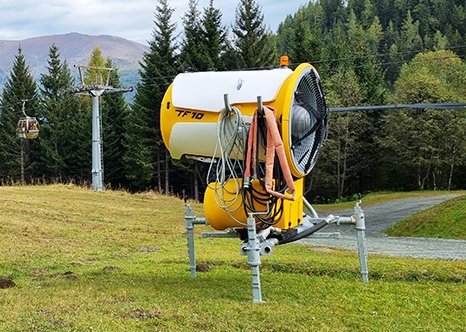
[254,199]
[292,236]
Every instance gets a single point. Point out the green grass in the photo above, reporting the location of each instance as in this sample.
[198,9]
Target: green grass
[446,220]
[111,261]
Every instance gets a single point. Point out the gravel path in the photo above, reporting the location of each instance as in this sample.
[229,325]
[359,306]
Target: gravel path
[381,216]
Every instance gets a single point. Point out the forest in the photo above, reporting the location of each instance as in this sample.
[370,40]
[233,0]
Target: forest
[367,52]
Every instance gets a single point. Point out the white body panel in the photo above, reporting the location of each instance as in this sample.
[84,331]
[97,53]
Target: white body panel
[197,139]
[207,92]
[193,138]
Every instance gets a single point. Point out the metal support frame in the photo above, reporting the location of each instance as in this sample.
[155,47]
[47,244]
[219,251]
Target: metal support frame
[361,240]
[190,221]
[258,245]
[252,249]
[356,219]
[311,212]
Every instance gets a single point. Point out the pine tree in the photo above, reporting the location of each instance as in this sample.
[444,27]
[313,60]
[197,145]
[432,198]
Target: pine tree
[301,39]
[410,40]
[114,115]
[368,14]
[77,154]
[57,114]
[143,143]
[19,86]
[214,36]
[253,41]
[193,56]
[363,45]
[285,35]
[94,75]
[390,47]
[334,13]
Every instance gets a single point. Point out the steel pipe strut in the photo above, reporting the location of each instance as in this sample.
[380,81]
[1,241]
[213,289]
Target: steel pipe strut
[189,217]
[97,182]
[254,260]
[361,239]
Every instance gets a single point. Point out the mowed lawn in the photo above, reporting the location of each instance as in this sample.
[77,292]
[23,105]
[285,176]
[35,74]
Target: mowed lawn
[112,261]
[447,220]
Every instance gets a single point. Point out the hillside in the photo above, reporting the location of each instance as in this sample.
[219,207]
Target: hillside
[447,220]
[111,261]
[76,49]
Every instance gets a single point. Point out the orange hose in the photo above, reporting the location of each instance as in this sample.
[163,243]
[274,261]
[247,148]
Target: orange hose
[274,145]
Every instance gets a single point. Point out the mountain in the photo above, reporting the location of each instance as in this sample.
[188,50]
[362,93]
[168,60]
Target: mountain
[75,48]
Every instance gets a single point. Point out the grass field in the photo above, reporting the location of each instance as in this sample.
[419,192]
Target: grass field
[111,261]
[447,220]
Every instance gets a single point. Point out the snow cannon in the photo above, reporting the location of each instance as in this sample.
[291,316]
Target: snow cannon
[261,132]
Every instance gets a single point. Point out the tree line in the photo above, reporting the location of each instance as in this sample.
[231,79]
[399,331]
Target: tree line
[367,52]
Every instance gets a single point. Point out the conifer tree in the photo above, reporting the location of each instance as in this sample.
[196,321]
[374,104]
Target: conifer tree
[143,143]
[94,75]
[285,36]
[214,36]
[410,40]
[301,39]
[58,115]
[77,154]
[19,86]
[363,45]
[193,55]
[114,115]
[334,12]
[253,40]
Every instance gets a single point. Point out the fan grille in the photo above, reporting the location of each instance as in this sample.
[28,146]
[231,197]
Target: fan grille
[308,121]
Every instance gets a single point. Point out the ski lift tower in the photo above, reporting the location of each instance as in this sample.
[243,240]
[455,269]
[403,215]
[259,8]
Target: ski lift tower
[98,85]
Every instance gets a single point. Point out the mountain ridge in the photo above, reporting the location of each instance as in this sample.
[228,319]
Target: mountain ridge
[75,48]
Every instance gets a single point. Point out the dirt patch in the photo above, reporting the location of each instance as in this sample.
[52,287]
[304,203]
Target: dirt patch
[202,267]
[321,249]
[148,249]
[6,283]
[38,273]
[162,231]
[70,275]
[241,265]
[145,314]
[110,268]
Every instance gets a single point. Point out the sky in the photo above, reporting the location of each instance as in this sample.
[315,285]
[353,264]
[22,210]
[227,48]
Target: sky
[133,20]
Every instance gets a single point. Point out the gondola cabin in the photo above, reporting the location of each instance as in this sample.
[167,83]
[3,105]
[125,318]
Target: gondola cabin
[27,128]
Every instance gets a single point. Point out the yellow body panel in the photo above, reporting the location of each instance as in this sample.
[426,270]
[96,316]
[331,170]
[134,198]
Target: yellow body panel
[220,219]
[170,115]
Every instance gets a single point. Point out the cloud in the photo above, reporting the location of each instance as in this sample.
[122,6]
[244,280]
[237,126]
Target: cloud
[132,20]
